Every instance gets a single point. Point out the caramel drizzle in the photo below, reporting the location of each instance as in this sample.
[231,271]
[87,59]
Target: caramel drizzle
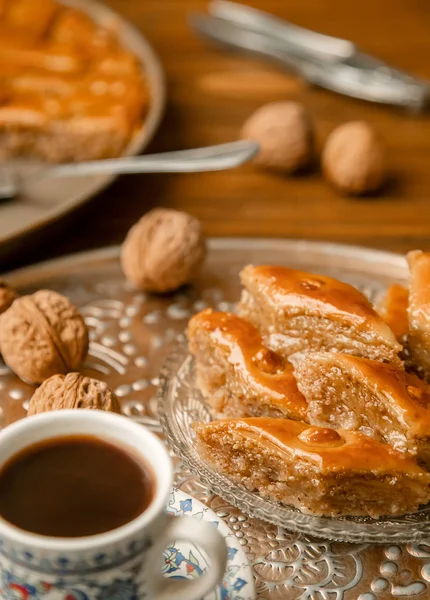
[310,293]
[395,310]
[331,451]
[251,359]
[405,393]
[86,69]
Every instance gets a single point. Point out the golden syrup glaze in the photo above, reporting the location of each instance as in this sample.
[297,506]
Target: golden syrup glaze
[251,359]
[419,293]
[357,453]
[87,71]
[404,392]
[315,294]
[394,310]
[321,437]
[29,16]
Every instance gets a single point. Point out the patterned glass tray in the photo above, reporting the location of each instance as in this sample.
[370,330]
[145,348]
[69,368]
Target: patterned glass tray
[181,404]
[131,335]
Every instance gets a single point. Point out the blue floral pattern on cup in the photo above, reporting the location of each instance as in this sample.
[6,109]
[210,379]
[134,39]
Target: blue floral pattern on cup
[74,581]
[13,587]
[183,560]
[63,565]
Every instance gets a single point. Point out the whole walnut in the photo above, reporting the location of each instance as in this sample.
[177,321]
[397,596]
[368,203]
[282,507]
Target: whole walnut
[285,133]
[7,296]
[42,335]
[73,391]
[353,158]
[163,251]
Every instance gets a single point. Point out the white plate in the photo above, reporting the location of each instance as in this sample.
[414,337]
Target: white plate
[184,560]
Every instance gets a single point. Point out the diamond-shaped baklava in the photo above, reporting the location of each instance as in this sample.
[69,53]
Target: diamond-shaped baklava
[379,399]
[237,374]
[315,469]
[298,311]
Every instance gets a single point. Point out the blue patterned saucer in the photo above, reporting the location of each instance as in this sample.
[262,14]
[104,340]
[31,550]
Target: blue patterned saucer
[184,560]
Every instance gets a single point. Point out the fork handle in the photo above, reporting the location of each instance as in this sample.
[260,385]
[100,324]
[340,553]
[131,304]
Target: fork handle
[210,158]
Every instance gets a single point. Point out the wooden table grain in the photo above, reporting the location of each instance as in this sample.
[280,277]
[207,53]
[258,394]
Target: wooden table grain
[211,93]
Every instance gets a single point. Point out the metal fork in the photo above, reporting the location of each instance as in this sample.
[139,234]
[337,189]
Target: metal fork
[209,158]
[326,61]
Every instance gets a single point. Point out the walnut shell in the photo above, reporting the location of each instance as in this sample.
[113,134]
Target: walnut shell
[73,391]
[285,133]
[353,158]
[42,335]
[163,251]
[7,296]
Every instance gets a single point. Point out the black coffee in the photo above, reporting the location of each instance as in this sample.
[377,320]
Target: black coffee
[74,486]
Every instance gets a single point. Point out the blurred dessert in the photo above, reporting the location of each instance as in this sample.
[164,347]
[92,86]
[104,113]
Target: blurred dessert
[318,470]
[237,374]
[298,311]
[42,335]
[73,391]
[69,89]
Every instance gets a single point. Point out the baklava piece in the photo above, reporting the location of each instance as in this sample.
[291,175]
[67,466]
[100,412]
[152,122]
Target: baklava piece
[69,90]
[237,375]
[317,470]
[419,311]
[381,400]
[394,310]
[297,312]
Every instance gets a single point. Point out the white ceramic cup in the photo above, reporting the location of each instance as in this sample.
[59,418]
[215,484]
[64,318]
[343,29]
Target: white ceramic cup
[124,563]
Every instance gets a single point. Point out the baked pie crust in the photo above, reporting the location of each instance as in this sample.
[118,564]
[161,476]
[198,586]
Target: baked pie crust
[298,312]
[318,470]
[237,374]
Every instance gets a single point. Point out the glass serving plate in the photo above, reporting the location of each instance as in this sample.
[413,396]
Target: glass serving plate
[180,404]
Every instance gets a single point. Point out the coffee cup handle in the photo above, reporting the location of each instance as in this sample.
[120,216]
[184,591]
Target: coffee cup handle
[203,535]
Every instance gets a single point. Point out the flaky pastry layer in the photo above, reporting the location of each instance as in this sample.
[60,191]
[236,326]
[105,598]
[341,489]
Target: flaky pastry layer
[237,374]
[297,311]
[379,399]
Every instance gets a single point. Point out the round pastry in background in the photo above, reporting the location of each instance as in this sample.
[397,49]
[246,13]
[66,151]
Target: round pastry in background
[353,159]
[73,391]
[7,296]
[42,335]
[285,133]
[163,251]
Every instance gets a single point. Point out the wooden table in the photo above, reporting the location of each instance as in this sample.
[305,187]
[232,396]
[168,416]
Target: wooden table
[212,92]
